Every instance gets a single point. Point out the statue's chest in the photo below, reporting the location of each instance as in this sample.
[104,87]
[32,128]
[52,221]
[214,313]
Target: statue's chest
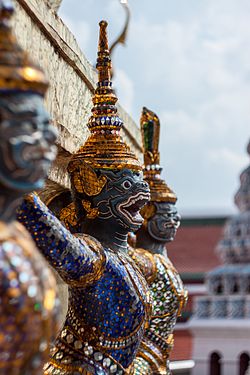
[168,292]
[120,300]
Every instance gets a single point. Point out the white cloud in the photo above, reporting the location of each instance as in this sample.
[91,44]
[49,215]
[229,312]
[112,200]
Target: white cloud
[227,158]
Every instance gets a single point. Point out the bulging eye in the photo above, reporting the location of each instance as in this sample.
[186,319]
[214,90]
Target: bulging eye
[126,184]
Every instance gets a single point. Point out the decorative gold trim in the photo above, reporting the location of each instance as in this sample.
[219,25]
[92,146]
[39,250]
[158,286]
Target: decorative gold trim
[98,264]
[68,215]
[85,179]
[145,261]
[92,213]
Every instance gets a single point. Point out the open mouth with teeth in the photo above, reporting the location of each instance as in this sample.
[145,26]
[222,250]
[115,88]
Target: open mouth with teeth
[132,206]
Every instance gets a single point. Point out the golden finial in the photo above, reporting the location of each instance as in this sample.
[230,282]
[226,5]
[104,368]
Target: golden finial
[103,64]
[17,71]
[150,130]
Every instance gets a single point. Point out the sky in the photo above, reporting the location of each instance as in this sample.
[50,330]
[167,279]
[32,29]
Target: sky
[188,61]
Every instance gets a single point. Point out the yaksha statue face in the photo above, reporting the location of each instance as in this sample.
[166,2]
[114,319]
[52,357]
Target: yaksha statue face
[164,223]
[121,199]
[27,141]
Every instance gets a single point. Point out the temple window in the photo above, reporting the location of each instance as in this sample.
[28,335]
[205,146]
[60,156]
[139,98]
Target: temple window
[243,363]
[215,364]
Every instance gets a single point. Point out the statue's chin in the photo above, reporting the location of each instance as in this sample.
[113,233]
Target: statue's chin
[162,236]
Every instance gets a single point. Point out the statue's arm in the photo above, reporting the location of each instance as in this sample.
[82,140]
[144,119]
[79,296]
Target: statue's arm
[71,257]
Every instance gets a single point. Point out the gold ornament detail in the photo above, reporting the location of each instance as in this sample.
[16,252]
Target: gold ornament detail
[92,213]
[150,130]
[85,179]
[17,71]
[104,148]
[68,215]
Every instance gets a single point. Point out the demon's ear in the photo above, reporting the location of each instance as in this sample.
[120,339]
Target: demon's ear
[92,212]
[85,180]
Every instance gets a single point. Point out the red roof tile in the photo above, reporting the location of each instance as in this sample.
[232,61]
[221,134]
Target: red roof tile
[192,251]
[182,346]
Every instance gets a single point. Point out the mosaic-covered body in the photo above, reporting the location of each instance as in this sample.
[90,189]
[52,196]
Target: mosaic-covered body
[27,288]
[161,221]
[169,297]
[108,297]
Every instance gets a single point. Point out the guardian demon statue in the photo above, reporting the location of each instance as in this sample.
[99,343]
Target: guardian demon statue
[109,300]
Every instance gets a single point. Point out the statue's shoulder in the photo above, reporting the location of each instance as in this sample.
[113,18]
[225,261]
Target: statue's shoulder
[91,242]
[166,263]
[145,261]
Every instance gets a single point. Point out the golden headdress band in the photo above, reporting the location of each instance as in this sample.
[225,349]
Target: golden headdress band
[17,71]
[104,148]
[150,130]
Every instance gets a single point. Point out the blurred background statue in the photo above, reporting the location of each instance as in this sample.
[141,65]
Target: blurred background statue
[27,288]
[109,300]
[161,221]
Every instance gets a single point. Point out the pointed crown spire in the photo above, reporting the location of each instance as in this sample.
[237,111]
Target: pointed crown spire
[104,148]
[150,130]
[17,71]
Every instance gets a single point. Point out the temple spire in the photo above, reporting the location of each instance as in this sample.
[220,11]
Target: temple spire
[103,64]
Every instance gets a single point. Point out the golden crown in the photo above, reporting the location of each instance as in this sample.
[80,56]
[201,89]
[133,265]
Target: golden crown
[17,71]
[150,130]
[104,148]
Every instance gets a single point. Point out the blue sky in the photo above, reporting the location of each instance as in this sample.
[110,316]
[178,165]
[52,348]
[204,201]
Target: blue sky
[189,61]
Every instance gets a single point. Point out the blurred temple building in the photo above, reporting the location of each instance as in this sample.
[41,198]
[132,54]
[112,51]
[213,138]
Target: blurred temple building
[221,322]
